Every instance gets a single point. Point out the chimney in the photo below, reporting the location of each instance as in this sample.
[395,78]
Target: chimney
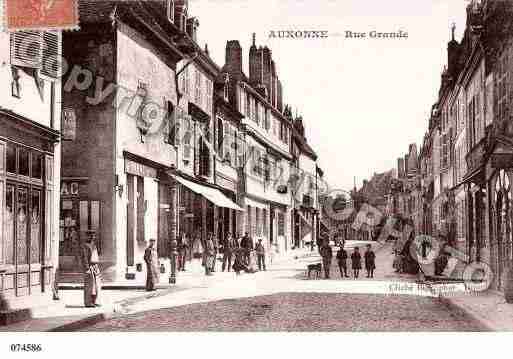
[233,59]
[453,54]
[181,7]
[255,63]
[192,28]
[267,69]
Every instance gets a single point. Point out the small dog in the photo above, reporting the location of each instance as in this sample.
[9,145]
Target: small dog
[317,267]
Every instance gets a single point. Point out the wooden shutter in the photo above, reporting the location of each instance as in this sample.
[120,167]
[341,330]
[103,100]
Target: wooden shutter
[51,54]
[2,199]
[49,210]
[27,49]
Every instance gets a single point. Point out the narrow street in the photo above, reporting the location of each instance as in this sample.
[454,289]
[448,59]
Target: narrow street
[282,299]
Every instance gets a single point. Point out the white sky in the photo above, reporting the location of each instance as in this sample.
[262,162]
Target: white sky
[363,100]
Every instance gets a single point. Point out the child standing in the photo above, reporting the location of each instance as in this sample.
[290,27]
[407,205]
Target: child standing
[370,261]
[356,262]
[342,262]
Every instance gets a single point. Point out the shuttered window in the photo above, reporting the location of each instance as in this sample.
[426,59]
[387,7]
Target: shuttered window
[51,51]
[37,50]
[26,49]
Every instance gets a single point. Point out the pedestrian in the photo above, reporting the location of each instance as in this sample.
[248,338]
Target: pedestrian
[239,262]
[370,261]
[152,266]
[342,262]
[398,262]
[260,252]
[92,275]
[247,244]
[356,262]
[209,255]
[327,255]
[216,251]
[230,245]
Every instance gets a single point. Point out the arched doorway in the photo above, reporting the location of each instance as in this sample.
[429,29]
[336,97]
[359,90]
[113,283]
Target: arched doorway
[503,225]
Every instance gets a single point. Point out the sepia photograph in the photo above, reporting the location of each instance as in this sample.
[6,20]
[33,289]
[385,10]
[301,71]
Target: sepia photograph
[213,168]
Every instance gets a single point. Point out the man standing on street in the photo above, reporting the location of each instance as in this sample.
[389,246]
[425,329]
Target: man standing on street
[247,244]
[92,276]
[260,252]
[327,255]
[342,261]
[152,266]
[370,261]
[229,247]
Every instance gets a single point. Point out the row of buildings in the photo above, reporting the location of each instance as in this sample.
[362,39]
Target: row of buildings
[128,128]
[457,185]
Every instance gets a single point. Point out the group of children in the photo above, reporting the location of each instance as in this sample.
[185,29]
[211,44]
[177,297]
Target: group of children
[356,262]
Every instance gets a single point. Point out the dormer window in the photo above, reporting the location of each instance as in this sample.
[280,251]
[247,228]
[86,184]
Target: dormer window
[183,22]
[171,10]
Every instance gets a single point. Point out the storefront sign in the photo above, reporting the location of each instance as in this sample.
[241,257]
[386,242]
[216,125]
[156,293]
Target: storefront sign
[502,160]
[139,169]
[69,124]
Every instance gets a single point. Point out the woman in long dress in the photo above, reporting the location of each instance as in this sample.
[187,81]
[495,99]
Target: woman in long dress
[152,264]
[92,275]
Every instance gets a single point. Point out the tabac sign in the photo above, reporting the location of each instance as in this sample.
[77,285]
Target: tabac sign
[139,169]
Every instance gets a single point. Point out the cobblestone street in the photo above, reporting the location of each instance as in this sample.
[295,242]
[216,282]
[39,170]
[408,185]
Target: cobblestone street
[281,299]
[300,312]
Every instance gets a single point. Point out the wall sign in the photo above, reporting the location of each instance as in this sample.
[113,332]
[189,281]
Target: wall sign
[69,124]
[139,169]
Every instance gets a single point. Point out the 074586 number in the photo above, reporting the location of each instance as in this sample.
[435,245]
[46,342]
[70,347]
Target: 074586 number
[26,347]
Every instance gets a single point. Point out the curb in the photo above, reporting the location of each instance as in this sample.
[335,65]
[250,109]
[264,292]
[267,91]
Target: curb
[82,323]
[452,305]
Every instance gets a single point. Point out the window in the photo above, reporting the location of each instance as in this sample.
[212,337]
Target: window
[502,87]
[38,50]
[444,155]
[252,110]
[240,149]
[187,128]
[220,137]
[208,94]
[197,87]
[267,122]
[187,75]
[37,165]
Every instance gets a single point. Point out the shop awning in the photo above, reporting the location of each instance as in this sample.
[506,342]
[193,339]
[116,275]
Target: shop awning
[213,195]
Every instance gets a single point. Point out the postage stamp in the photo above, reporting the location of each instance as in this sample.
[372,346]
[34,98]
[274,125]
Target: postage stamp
[41,14]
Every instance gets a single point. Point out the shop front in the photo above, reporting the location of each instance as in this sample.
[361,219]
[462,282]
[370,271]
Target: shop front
[27,207]
[203,209]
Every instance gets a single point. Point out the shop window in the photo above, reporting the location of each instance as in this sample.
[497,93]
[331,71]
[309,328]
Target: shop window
[35,227]
[23,161]
[37,165]
[9,225]
[21,226]
[11,158]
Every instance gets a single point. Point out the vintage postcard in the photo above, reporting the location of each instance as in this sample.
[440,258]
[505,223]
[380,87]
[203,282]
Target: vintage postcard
[255,166]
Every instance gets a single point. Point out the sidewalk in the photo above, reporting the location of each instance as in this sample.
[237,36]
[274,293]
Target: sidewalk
[69,313]
[489,308]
